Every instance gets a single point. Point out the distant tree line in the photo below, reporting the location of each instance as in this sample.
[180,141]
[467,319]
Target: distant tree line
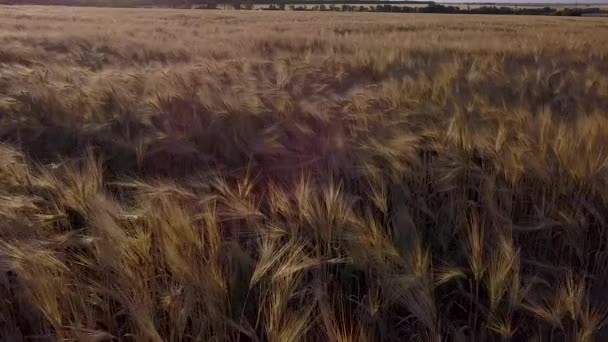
[349,6]
[322,5]
[437,8]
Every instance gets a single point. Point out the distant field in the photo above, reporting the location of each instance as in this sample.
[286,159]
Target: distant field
[183,175]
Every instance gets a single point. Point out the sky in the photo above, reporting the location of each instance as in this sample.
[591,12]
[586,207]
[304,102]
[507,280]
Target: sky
[527,1]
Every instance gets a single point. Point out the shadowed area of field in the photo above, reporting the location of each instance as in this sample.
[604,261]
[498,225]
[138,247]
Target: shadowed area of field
[218,175]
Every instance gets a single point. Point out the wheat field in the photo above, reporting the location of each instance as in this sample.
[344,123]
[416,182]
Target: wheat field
[184,175]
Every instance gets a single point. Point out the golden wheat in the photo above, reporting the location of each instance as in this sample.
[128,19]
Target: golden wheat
[178,175]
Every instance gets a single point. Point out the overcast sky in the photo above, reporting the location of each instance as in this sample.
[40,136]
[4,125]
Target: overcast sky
[528,1]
